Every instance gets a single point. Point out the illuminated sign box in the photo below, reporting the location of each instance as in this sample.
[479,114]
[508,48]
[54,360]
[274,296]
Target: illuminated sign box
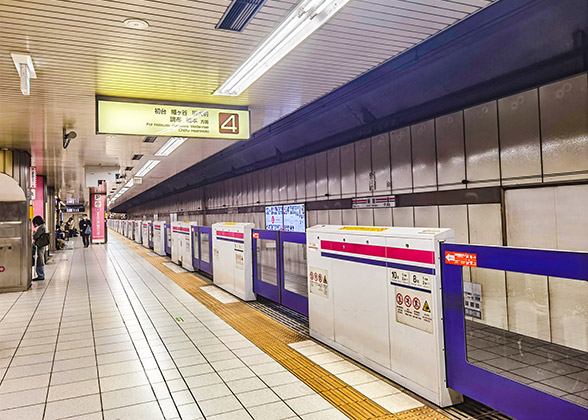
[147,119]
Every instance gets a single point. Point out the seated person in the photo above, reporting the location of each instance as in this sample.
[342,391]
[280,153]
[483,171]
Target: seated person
[59,237]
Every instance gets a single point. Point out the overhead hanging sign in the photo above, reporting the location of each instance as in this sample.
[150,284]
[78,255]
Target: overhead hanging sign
[142,119]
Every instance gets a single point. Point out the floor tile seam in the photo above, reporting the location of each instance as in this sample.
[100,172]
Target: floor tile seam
[21,294]
[253,372]
[107,281]
[32,315]
[362,397]
[289,349]
[323,396]
[71,265]
[196,347]
[93,335]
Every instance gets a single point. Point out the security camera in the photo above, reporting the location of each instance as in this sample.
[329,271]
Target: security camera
[68,137]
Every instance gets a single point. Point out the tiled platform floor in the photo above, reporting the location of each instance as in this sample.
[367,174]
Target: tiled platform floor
[108,336]
[557,370]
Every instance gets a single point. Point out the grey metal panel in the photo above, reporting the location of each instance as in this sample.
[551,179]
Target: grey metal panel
[520,144]
[426,216]
[363,166]
[291,169]
[365,217]
[300,180]
[450,151]
[334,172]
[248,187]
[261,187]
[215,195]
[485,224]
[254,187]
[283,188]
[348,170]
[243,192]
[456,218]
[383,217]
[571,207]
[381,162]
[310,176]
[349,217]
[335,217]
[530,218]
[564,127]
[403,216]
[275,174]
[311,218]
[267,174]
[401,160]
[424,161]
[481,136]
[321,175]
[322,217]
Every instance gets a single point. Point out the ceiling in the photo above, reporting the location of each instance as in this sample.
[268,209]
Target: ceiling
[81,49]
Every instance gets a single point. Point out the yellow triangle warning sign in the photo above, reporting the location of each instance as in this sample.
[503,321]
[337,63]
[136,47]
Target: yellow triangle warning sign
[426,307]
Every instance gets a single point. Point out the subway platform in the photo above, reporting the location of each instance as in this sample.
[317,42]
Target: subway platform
[116,332]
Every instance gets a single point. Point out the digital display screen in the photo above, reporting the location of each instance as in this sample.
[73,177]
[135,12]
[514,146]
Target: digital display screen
[294,218]
[274,219]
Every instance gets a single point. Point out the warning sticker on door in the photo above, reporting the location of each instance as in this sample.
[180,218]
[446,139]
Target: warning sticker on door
[317,279]
[239,259]
[461,258]
[413,308]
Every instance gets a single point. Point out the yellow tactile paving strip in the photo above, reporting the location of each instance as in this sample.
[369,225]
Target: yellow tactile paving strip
[273,338]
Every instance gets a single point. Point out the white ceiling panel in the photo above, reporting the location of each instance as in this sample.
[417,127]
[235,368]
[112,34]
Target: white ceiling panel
[81,49]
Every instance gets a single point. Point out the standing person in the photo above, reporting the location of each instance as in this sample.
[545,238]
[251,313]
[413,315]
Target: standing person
[85,230]
[40,241]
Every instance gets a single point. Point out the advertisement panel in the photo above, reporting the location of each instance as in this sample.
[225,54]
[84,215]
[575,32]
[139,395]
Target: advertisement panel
[98,204]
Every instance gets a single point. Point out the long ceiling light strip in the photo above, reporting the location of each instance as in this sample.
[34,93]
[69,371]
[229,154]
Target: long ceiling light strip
[299,25]
[150,164]
[147,167]
[172,144]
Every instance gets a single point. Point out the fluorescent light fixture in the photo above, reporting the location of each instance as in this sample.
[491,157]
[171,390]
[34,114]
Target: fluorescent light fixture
[26,71]
[124,190]
[147,167]
[130,183]
[299,25]
[172,144]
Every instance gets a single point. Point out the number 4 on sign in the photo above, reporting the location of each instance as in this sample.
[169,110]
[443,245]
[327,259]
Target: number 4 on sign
[229,123]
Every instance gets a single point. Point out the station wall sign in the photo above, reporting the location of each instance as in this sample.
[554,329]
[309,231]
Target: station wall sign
[148,119]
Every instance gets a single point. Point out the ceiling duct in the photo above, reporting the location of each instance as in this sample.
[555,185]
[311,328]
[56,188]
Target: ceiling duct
[239,14]
[149,139]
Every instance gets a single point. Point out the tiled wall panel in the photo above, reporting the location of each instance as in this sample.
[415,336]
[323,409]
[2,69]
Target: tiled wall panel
[424,165]
[481,138]
[450,151]
[564,128]
[520,143]
[321,175]
[401,161]
[363,167]
[381,163]
[334,172]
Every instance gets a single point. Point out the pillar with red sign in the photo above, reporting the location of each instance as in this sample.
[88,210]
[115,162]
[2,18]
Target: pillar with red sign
[98,205]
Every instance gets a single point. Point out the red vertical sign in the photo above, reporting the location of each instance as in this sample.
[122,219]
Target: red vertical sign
[39,199]
[98,204]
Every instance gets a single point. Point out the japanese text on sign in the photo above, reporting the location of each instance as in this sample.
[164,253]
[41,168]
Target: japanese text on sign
[171,120]
[461,258]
